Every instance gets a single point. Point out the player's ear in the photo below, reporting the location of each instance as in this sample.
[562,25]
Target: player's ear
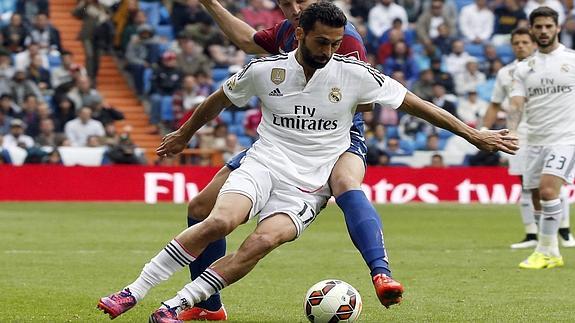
[299,33]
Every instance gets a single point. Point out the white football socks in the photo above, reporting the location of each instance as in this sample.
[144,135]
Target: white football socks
[171,259]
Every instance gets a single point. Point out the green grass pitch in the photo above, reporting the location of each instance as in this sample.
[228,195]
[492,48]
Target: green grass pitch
[58,259]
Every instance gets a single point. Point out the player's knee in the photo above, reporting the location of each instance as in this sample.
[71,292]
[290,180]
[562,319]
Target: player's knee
[217,227]
[260,244]
[198,210]
[341,183]
[548,193]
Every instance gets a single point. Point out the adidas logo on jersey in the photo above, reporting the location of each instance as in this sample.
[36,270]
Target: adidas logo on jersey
[276,92]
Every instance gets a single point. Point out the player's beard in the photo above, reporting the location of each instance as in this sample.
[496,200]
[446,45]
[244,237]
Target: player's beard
[309,59]
[550,42]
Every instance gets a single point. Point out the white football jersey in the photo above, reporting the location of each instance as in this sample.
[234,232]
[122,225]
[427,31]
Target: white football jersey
[501,92]
[305,125]
[547,81]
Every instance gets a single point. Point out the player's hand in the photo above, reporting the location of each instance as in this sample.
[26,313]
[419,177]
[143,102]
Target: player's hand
[172,144]
[497,140]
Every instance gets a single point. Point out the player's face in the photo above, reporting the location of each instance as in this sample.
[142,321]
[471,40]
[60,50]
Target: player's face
[522,46]
[545,31]
[319,44]
[293,8]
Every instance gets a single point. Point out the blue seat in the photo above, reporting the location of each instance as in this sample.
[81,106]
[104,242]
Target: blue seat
[219,74]
[505,53]
[165,31]
[226,117]
[239,117]
[484,90]
[237,129]
[245,141]
[475,50]
[391,132]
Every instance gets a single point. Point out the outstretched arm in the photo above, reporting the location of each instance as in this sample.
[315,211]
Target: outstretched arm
[485,140]
[238,31]
[174,142]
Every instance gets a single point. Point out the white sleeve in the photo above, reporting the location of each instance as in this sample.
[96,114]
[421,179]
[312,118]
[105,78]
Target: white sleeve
[240,88]
[378,88]
[498,95]
[518,85]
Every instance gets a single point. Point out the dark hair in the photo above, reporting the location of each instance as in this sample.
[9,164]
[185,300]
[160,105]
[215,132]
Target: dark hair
[543,12]
[325,12]
[522,31]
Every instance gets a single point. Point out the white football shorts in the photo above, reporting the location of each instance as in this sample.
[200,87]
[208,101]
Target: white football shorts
[518,162]
[270,196]
[557,160]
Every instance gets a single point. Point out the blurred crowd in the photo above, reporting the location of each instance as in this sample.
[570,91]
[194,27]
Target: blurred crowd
[174,56]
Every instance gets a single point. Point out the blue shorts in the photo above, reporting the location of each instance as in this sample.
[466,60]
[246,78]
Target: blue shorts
[357,147]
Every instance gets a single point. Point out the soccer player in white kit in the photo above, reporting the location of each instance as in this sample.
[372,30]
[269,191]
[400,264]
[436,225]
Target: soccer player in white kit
[308,101]
[544,85]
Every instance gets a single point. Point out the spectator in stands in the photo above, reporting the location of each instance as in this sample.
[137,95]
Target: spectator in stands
[401,60]
[444,39]
[131,29]
[232,147]
[441,100]
[553,4]
[437,161]
[166,80]
[252,120]
[30,8]
[186,98]
[151,9]
[408,34]
[442,77]
[379,139]
[53,158]
[432,143]
[105,113]
[4,122]
[494,67]
[489,56]
[94,141]
[476,22]
[203,31]
[382,15]
[63,74]
[414,129]
[65,111]
[30,115]
[470,78]
[186,12]
[430,19]
[23,59]
[16,136]
[223,52]
[385,49]
[40,75]
[6,71]
[215,140]
[143,51]
[567,34]
[9,107]
[191,59]
[393,149]
[124,152]
[377,157]
[423,86]
[261,13]
[48,136]
[456,61]
[83,94]
[508,16]
[79,129]
[205,83]
[44,34]
[15,34]
[21,86]
[4,153]
[96,34]
[413,9]
[471,108]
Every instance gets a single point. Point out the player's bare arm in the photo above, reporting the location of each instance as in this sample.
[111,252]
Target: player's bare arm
[174,142]
[485,140]
[491,115]
[238,31]
[516,106]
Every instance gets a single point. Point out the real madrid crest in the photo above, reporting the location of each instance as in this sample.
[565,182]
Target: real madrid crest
[565,68]
[278,75]
[334,95]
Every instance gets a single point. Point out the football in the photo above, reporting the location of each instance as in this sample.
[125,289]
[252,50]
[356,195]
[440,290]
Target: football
[332,301]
